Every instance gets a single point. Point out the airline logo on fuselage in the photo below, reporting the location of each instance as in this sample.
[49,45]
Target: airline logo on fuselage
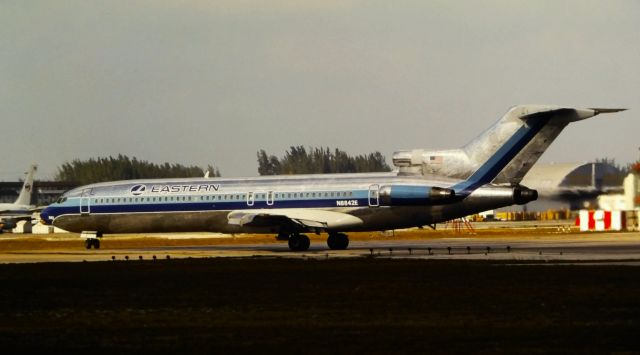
[174,189]
[137,190]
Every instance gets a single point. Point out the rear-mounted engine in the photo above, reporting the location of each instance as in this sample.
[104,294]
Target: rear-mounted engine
[415,195]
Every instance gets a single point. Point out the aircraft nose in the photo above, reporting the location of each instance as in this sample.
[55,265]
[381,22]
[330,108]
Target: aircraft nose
[44,216]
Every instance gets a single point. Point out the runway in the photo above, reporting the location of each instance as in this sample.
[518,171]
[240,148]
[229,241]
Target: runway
[386,294]
[563,247]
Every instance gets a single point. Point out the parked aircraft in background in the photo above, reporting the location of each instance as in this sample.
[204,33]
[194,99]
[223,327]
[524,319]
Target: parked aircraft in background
[430,187]
[21,209]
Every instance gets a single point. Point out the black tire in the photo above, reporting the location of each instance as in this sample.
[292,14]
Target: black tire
[338,241]
[96,243]
[306,242]
[282,235]
[88,243]
[299,242]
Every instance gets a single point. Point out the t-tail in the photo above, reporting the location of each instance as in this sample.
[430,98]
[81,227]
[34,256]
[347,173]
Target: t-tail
[502,154]
[24,199]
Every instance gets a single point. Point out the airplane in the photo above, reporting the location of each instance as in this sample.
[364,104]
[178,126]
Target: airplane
[483,175]
[21,209]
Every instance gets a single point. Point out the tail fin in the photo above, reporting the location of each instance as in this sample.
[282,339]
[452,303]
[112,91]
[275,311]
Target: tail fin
[506,151]
[24,198]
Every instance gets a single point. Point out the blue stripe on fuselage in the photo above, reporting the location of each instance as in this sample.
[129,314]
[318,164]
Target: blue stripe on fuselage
[492,167]
[201,206]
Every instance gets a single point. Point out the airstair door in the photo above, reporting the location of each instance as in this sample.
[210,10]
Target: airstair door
[374,195]
[85,202]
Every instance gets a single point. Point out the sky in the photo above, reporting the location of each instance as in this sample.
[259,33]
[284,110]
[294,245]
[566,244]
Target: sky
[212,82]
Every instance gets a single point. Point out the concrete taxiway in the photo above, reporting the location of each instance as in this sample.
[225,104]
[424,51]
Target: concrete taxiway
[544,247]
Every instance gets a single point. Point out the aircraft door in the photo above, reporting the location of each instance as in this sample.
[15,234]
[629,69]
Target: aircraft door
[85,202]
[270,198]
[374,195]
[251,199]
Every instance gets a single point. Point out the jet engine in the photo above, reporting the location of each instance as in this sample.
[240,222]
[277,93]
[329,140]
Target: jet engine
[414,195]
[523,195]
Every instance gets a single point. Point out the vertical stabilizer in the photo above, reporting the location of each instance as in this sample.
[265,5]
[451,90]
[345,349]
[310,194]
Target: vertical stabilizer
[24,199]
[507,150]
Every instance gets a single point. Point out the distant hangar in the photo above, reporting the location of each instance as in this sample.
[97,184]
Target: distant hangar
[570,185]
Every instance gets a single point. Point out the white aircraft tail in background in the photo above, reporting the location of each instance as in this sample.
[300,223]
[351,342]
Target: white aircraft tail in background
[21,208]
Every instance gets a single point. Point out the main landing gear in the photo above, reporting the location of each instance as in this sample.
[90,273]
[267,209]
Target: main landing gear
[300,242]
[338,241]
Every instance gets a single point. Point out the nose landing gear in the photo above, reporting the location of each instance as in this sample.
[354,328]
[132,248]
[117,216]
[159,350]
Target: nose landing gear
[92,242]
[91,239]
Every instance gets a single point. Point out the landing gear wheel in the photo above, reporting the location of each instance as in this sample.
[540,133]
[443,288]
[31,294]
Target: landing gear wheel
[299,242]
[282,235]
[338,241]
[92,242]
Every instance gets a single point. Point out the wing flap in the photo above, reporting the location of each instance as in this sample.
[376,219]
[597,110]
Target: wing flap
[304,217]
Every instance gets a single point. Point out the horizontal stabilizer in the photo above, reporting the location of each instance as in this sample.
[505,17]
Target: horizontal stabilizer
[607,110]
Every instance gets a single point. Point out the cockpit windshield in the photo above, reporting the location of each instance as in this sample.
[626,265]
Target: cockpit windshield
[69,194]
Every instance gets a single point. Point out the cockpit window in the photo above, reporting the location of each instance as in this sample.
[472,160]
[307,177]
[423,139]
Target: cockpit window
[61,200]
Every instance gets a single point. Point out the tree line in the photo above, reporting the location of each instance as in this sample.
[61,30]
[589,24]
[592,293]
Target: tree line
[300,160]
[296,160]
[124,168]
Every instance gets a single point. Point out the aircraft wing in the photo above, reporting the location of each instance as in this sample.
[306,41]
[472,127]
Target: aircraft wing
[310,218]
[15,217]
